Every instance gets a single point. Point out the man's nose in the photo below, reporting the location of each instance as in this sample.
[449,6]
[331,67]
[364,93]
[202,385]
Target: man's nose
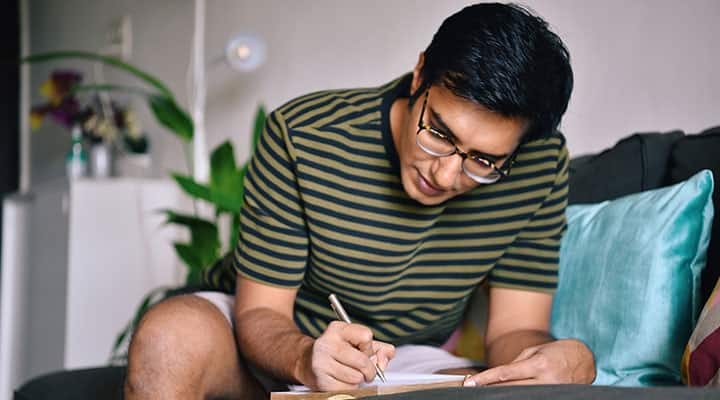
[447,171]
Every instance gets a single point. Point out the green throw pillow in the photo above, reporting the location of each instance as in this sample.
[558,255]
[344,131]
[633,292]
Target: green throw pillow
[630,278]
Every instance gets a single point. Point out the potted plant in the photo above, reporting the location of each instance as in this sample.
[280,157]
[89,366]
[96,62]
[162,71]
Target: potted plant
[223,192]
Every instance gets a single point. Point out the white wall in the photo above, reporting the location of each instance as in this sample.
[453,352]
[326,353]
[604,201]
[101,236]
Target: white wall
[642,65]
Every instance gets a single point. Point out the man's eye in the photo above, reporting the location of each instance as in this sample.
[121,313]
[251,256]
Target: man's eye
[439,135]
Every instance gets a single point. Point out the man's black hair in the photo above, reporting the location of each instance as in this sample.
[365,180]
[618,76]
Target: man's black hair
[504,58]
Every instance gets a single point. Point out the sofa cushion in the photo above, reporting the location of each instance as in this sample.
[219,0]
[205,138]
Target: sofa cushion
[83,384]
[634,164]
[629,280]
[691,154]
[701,360]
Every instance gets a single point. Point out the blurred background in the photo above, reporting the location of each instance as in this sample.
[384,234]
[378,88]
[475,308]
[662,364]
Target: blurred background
[79,255]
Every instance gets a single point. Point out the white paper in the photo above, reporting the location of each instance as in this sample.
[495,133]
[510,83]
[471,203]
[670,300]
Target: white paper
[393,379]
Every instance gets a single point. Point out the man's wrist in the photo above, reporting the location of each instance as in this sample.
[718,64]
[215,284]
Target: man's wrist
[302,368]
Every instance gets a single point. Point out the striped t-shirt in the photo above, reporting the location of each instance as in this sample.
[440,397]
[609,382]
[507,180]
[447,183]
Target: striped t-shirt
[324,210]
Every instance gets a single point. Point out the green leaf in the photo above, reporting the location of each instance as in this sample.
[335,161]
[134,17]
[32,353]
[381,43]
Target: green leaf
[204,246]
[228,202]
[258,127]
[223,170]
[226,180]
[112,61]
[170,115]
[194,277]
[188,255]
[192,188]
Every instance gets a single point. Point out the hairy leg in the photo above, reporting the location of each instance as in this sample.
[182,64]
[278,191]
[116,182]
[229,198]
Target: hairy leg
[184,348]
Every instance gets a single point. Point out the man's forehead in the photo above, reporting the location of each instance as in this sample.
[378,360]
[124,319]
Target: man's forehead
[472,125]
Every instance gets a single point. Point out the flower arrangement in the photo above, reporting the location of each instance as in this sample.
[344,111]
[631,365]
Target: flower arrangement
[102,120]
[223,192]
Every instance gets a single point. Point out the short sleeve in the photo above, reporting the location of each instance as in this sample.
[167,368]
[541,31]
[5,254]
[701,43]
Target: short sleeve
[272,246]
[531,261]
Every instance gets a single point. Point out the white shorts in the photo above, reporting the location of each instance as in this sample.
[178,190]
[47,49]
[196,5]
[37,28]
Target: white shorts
[419,359]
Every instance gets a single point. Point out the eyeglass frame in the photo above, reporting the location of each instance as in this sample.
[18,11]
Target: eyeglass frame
[475,157]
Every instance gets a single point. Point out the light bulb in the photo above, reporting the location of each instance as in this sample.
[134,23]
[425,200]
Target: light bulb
[245,52]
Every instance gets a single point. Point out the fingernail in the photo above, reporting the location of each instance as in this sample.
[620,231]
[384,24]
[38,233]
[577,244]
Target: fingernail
[469,382]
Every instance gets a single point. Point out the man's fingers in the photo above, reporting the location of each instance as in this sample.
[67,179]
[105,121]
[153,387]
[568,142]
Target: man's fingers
[527,353]
[384,352]
[521,370]
[359,336]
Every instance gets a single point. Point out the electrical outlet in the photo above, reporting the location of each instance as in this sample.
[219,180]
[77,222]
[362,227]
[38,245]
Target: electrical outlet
[119,39]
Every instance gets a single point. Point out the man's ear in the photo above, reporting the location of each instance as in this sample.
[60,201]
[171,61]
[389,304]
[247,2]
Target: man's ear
[417,78]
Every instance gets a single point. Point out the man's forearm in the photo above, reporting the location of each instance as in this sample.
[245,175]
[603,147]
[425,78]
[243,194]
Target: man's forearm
[505,348]
[272,342]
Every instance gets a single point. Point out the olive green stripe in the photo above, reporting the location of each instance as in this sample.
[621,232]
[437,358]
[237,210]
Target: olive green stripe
[289,106]
[324,96]
[334,101]
[351,171]
[551,210]
[353,241]
[546,222]
[391,283]
[255,279]
[524,251]
[246,263]
[350,126]
[309,327]
[367,228]
[537,154]
[509,199]
[340,113]
[514,262]
[278,248]
[295,219]
[449,257]
[553,140]
[341,140]
[499,272]
[326,148]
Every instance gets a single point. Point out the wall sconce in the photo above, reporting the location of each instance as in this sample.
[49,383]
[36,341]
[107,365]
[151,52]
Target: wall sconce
[245,52]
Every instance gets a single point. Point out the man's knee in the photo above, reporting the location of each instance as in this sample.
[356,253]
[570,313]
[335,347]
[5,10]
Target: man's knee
[178,339]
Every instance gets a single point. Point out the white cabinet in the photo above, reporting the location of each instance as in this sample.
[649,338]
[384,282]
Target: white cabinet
[77,259]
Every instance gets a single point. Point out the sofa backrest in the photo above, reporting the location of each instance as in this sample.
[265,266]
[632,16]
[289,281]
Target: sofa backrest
[646,161]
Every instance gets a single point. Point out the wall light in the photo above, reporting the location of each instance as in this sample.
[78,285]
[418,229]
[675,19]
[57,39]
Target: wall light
[245,52]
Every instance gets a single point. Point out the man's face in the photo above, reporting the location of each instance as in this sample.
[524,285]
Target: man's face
[431,180]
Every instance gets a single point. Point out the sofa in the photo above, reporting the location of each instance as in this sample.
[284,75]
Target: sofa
[637,163]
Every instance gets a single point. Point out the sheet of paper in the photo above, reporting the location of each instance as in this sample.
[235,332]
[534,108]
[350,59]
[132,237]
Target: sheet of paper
[394,379]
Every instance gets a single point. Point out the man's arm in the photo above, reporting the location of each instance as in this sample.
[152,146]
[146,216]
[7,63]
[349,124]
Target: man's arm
[268,338]
[520,348]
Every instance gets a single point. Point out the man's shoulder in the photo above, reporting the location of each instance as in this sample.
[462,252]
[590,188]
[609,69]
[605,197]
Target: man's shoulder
[554,145]
[328,101]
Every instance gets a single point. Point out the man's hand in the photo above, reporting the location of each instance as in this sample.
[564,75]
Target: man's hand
[560,361]
[343,357]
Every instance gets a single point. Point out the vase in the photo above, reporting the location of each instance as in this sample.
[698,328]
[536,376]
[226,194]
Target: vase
[134,165]
[102,160]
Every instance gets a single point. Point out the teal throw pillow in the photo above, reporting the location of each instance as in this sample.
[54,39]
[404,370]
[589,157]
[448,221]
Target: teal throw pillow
[629,280]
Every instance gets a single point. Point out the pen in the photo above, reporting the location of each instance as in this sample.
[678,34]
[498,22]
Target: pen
[342,315]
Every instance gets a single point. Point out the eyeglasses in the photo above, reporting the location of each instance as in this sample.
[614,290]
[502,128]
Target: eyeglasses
[477,166]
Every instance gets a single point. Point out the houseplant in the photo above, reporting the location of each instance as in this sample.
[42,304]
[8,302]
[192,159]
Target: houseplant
[107,126]
[223,192]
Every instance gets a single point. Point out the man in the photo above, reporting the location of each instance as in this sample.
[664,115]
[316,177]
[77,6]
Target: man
[401,200]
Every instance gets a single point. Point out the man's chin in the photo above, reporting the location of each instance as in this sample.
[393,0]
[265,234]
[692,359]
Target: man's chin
[414,193]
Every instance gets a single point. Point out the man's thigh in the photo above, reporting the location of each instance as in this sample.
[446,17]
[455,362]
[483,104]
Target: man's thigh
[408,358]
[226,303]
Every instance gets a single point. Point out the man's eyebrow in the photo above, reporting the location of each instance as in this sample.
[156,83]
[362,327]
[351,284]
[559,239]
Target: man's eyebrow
[446,130]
